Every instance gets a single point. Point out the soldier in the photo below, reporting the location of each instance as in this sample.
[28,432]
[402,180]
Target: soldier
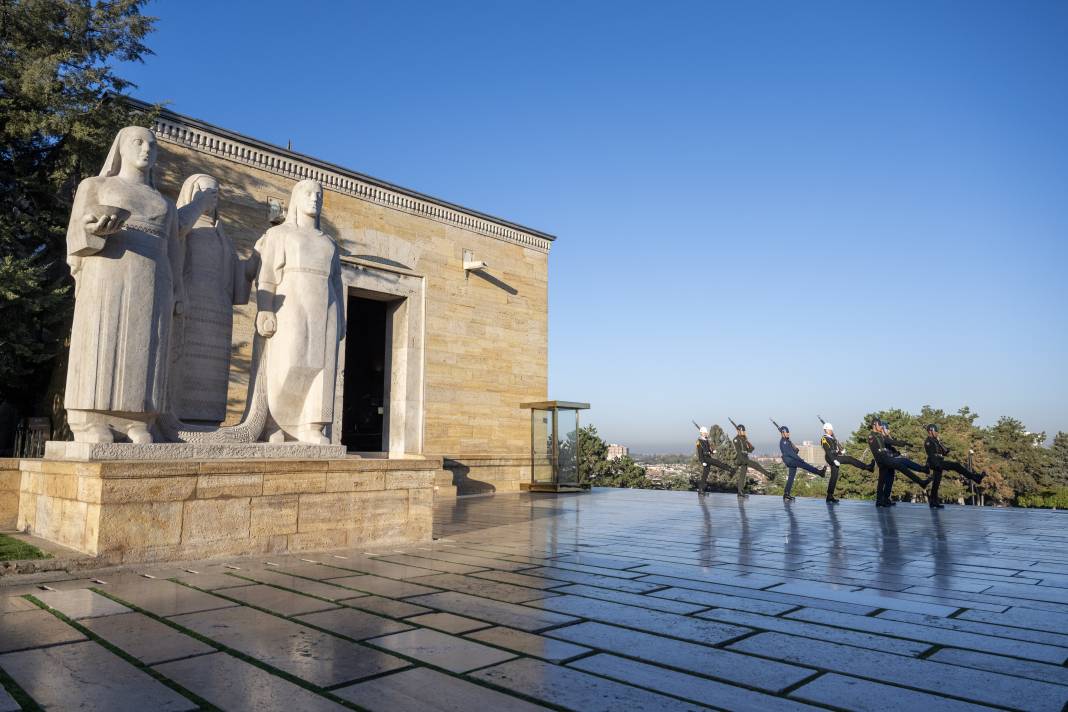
[889,459]
[937,463]
[742,448]
[705,453]
[792,461]
[836,456]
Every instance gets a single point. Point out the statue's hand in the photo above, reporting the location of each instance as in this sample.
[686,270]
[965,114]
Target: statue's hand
[103,224]
[266,324]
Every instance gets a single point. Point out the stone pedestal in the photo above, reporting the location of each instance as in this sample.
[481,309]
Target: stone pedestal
[66,450]
[127,511]
[10,477]
[487,474]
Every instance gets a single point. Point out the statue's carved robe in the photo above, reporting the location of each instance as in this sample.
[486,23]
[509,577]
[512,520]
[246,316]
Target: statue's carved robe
[124,301]
[303,269]
[214,282]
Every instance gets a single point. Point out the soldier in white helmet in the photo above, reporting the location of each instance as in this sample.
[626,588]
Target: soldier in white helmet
[705,453]
[836,456]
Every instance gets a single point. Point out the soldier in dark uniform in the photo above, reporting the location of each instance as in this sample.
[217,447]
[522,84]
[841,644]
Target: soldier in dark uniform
[705,453]
[792,461]
[889,459]
[742,448]
[836,456]
[937,463]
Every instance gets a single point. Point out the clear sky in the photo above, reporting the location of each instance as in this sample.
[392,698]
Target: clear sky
[763,208]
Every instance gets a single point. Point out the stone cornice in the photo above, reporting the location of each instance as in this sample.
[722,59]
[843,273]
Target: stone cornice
[205,138]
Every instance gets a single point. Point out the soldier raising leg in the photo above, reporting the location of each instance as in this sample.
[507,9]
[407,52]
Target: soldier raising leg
[836,456]
[742,448]
[705,456]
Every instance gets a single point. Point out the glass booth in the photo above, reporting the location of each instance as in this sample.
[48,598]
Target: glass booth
[555,464]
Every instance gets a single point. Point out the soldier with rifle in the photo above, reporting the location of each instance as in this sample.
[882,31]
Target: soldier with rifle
[884,447]
[836,456]
[792,460]
[937,463]
[705,456]
[742,448]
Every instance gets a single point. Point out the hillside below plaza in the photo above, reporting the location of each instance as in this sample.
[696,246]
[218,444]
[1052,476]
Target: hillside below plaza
[619,599]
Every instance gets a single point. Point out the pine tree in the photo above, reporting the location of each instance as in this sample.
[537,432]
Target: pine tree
[58,115]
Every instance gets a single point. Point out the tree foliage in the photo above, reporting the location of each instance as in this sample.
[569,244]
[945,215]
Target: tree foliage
[56,124]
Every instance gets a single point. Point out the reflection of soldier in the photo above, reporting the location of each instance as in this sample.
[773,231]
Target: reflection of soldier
[705,453]
[937,463]
[742,448]
[792,461]
[835,455]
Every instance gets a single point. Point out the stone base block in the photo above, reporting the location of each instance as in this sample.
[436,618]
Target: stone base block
[486,474]
[10,483]
[60,450]
[160,510]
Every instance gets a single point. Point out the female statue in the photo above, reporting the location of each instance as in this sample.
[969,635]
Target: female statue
[214,279]
[299,296]
[122,247]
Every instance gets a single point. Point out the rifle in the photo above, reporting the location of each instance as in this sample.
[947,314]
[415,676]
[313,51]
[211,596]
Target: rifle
[733,423]
[777,426]
[822,421]
[696,425]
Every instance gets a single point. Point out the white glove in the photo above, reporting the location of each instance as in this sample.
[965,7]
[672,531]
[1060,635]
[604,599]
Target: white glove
[837,464]
[704,464]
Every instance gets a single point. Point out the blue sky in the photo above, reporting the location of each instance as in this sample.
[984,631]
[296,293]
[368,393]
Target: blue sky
[763,208]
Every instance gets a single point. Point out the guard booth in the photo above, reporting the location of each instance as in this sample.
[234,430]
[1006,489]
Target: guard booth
[555,465]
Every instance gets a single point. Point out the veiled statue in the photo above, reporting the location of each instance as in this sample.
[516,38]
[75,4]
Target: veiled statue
[214,280]
[301,316]
[124,253]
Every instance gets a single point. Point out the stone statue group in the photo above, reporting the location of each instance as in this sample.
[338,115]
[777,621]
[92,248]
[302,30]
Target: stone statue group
[155,285]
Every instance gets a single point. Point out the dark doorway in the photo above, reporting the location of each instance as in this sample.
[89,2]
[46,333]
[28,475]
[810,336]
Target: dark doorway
[364,405]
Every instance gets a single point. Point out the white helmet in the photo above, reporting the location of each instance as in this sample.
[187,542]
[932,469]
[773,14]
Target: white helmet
[827,427]
[704,432]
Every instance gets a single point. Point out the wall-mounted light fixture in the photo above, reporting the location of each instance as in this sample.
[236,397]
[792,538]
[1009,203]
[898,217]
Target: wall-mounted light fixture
[471,264]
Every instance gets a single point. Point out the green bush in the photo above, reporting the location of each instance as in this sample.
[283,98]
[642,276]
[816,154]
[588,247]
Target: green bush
[1050,499]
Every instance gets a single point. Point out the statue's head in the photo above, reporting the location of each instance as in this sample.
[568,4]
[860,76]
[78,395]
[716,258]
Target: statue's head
[196,184]
[306,200]
[134,146]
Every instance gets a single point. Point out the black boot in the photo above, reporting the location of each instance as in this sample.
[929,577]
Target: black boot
[871,466]
[823,471]
[788,498]
[832,500]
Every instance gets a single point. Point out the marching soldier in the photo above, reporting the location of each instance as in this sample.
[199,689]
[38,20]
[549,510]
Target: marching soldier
[792,461]
[705,455]
[889,459]
[937,463]
[836,456]
[742,448]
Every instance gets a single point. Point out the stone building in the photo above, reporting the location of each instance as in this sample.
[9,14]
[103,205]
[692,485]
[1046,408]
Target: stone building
[438,352]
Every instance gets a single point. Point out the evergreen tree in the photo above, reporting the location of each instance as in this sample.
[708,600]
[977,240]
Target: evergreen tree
[57,121]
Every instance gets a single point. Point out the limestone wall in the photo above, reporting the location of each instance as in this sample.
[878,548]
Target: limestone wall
[126,511]
[486,338]
[10,477]
[488,474]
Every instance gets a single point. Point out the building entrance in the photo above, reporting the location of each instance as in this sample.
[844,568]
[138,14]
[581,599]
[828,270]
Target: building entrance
[365,404]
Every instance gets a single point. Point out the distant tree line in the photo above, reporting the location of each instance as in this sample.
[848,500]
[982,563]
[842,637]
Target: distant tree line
[1022,470]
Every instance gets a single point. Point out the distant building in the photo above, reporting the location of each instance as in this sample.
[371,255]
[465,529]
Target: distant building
[811,452]
[615,452]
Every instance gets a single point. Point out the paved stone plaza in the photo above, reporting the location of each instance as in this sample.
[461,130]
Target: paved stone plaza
[615,600]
